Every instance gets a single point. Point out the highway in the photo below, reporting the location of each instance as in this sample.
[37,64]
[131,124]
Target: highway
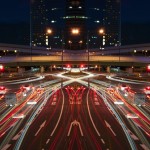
[79,113]
[76,129]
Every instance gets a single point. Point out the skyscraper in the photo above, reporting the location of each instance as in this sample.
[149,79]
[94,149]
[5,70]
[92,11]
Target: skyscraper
[94,13]
[112,22]
[75,21]
[46,15]
[38,22]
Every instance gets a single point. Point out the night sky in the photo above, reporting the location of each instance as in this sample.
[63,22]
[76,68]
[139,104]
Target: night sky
[14,10]
[18,10]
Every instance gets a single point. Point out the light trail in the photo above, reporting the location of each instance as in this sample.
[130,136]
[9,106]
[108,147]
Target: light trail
[101,91]
[91,117]
[30,120]
[59,117]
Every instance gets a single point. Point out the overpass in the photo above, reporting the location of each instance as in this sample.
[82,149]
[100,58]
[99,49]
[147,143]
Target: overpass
[75,59]
[143,49]
[130,55]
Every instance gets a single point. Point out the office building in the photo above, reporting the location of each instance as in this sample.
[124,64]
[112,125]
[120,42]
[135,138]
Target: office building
[38,22]
[75,24]
[112,22]
[47,23]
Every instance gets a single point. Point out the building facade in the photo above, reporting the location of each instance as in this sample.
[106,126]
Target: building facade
[46,23]
[38,22]
[112,22]
[75,24]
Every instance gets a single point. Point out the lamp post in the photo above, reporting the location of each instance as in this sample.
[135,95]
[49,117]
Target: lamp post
[80,42]
[119,51]
[75,31]
[87,44]
[31,29]
[48,32]
[16,52]
[62,51]
[102,32]
[146,52]
[70,42]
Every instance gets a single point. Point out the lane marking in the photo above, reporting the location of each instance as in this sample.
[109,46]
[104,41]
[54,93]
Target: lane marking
[75,122]
[102,141]
[6,147]
[87,102]
[41,126]
[108,125]
[17,135]
[144,147]
[47,141]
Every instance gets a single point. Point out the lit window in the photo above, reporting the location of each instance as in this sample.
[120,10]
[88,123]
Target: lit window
[53,21]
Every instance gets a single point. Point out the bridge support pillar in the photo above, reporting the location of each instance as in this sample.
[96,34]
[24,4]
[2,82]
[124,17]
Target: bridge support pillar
[61,83]
[129,70]
[42,69]
[21,70]
[99,68]
[108,69]
[88,83]
[50,68]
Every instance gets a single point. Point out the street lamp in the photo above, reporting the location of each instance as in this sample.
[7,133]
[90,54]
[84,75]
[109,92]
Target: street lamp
[70,42]
[31,29]
[75,31]
[4,52]
[16,52]
[62,51]
[134,52]
[146,52]
[48,32]
[87,44]
[102,32]
[80,42]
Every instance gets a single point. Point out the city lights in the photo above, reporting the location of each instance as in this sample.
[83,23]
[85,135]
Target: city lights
[75,31]
[101,31]
[49,31]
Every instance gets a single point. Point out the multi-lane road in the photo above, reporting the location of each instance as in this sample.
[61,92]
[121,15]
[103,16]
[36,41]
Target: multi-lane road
[74,112]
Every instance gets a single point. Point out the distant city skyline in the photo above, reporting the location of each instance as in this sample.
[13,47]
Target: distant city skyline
[17,11]
[134,15]
[76,14]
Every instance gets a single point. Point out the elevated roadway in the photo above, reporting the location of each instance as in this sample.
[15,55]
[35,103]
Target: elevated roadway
[75,59]
[128,55]
[144,48]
